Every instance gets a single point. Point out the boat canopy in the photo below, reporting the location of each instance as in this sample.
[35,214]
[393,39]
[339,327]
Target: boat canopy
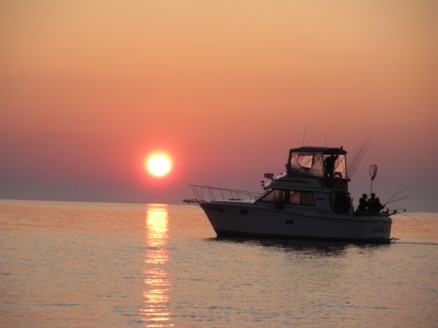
[324,150]
[328,162]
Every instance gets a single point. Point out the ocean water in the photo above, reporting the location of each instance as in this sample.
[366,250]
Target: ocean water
[157,265]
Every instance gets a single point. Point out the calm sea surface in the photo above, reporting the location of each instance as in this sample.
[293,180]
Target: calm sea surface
[123,265]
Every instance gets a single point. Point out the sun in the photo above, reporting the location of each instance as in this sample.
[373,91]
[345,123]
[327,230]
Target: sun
[158,164]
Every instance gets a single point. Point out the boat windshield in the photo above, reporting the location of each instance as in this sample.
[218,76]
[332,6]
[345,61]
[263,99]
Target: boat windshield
[318,161]
[294,197]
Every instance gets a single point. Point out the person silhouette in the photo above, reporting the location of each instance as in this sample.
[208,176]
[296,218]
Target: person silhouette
[329,168]
[378,205]
[362,208]
[371,203]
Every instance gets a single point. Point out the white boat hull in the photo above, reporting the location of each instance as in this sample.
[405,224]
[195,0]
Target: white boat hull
[230,218]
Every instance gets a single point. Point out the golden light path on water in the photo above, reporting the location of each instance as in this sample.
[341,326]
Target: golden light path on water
[157,284]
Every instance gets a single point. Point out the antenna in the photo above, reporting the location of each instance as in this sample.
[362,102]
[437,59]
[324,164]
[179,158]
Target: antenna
[373,173]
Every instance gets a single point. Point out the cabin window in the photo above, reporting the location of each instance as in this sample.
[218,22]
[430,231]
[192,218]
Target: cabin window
[307,199]
[304,198]
[295,198]
[273,196]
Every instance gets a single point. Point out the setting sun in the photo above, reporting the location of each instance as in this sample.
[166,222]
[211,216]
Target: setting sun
[158,164]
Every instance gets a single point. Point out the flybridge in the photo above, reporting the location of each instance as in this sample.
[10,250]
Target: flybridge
[327,162]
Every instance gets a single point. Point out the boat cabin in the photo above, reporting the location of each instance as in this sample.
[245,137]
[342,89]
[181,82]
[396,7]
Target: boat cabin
[315,177]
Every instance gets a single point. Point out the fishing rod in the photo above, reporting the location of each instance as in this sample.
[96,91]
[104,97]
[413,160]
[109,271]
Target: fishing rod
[358,156]
[397,210]
[396,200]
[390,200]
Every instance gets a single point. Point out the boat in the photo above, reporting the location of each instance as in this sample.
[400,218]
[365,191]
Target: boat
[310,200]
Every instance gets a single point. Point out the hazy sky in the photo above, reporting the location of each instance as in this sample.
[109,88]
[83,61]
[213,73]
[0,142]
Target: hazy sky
[89,88]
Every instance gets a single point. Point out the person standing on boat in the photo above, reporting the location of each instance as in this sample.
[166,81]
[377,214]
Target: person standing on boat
[329,168]
[378,205]
[374,205]
[371,203]
[362,208]
[342,203]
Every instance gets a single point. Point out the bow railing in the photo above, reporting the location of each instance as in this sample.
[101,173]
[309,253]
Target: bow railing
[208,193]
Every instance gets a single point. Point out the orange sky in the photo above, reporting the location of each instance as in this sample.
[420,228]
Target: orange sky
[88,88]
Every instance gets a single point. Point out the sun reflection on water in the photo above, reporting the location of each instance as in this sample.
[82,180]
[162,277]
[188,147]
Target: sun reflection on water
[157,282]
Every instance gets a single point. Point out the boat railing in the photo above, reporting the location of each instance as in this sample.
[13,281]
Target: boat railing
[208,193]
